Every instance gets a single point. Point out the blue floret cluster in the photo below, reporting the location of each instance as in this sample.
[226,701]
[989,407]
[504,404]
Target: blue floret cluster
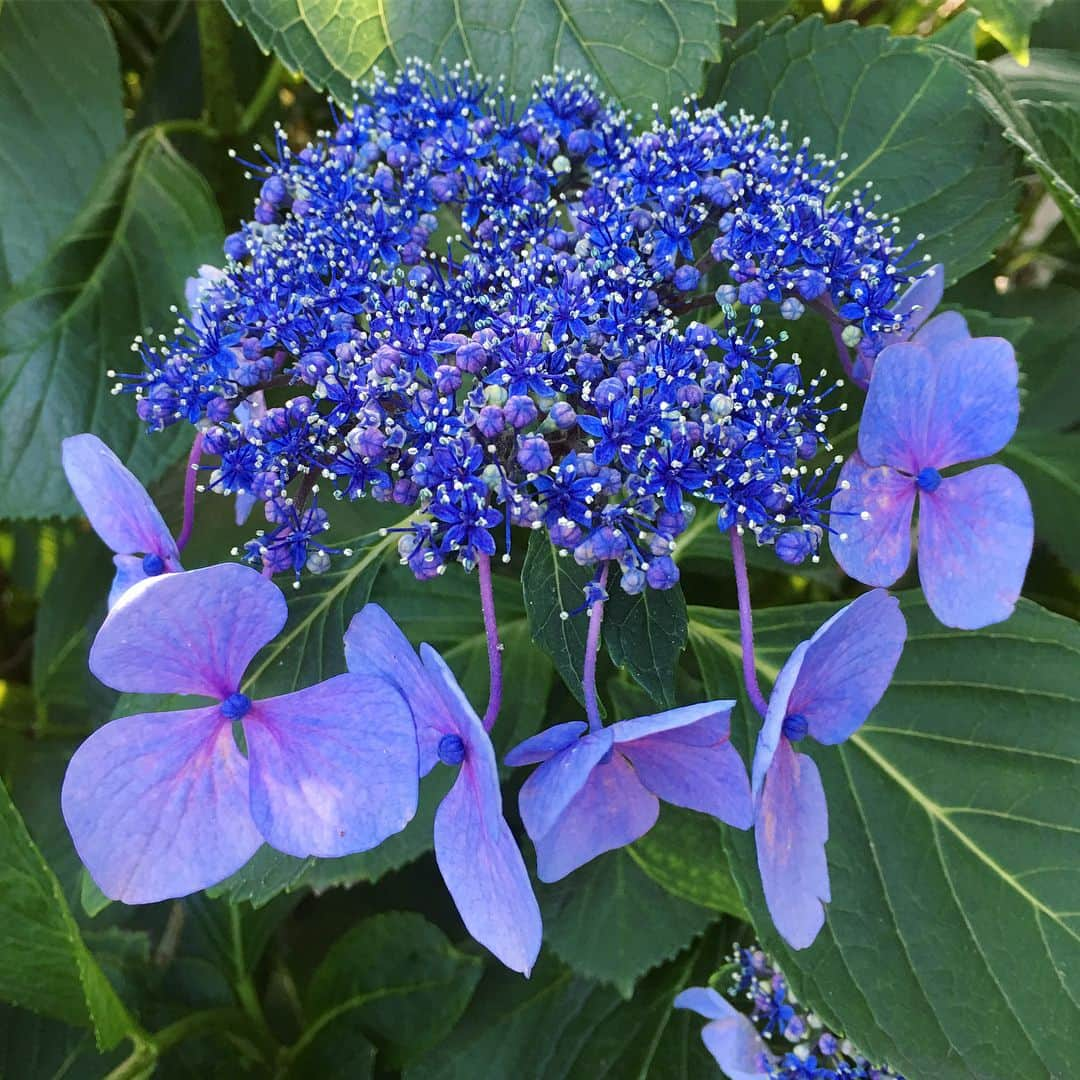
[484,308]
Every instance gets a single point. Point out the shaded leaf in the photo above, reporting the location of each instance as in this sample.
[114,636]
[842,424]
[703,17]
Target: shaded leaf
[1010,21]
[47,966]
[646,634]
[611,922]
[952,847]
[150,221]
[554,586]
[400,980]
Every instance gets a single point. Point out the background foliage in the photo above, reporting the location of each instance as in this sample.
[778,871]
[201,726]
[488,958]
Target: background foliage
[953,946]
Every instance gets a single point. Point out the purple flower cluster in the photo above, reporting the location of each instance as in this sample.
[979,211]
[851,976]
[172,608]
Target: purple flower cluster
[474,306]
[737,1041]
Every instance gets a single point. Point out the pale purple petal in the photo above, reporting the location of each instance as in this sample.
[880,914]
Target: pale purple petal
[129,571]
[768,740]
[333,766]
[932,410]
[545,743]
[975,537]
[684,718]
[245,503]
[731,1038]
[188,633]
[972,408]
[157,805]
[549,790]
[118,507]
[480,861]
[791,830]
[375,645]
[696,767]
[942,330]
[613,808]
[848,666]
[875,551]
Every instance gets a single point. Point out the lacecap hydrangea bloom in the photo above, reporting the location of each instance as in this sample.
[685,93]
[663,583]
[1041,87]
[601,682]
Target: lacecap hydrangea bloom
[482,310]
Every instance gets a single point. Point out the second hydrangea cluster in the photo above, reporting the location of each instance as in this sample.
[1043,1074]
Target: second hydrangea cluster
[478,307]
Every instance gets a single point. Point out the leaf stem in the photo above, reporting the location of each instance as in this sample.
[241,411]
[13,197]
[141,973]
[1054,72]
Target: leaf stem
[263,96]
[246,993]
[746,621]
[592,648]
[494,647]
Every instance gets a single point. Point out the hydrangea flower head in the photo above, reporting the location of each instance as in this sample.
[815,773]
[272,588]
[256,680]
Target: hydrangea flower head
[940,400]
[164,804]
[475,850]
[826,689]
[120,511]
[598,790]
[538,369]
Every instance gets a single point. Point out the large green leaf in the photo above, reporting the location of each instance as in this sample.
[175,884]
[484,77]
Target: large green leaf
[953,845]
[902,112]
[646,634]
[640,52]
[556,1024]
[120,265]
[611,922]
[60,84]
[401,981]
[47,966]
[1052,75]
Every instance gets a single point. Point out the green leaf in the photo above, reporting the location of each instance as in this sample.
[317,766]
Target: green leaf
[399,979]
[902,112]
[1052,75]
[119,266]
[337,1051]
[71,610]
[35,1046]
[553,586]
[60,80]
[556,1024]
[958,33]
[47,966]
[646,634]
[1010,21]
[952,845]
[1056,164]
[640,52]
[611,922]
[683,852]
[1049,465]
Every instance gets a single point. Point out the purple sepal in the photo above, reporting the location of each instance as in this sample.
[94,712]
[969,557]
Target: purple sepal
[975,537]
[333,767]
[541,746]
[188,633]
[730,1036]
[129,572]
[157,805]
[791,829]
[114,501]
[475,850]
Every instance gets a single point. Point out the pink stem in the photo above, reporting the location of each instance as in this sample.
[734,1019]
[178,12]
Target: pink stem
[494,649]
[746,623]
[189,491]
[592,647]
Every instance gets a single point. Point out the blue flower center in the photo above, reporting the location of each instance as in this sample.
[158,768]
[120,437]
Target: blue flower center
[928,480]
[451,750]
[153,565]
[235,706]
[795,727]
